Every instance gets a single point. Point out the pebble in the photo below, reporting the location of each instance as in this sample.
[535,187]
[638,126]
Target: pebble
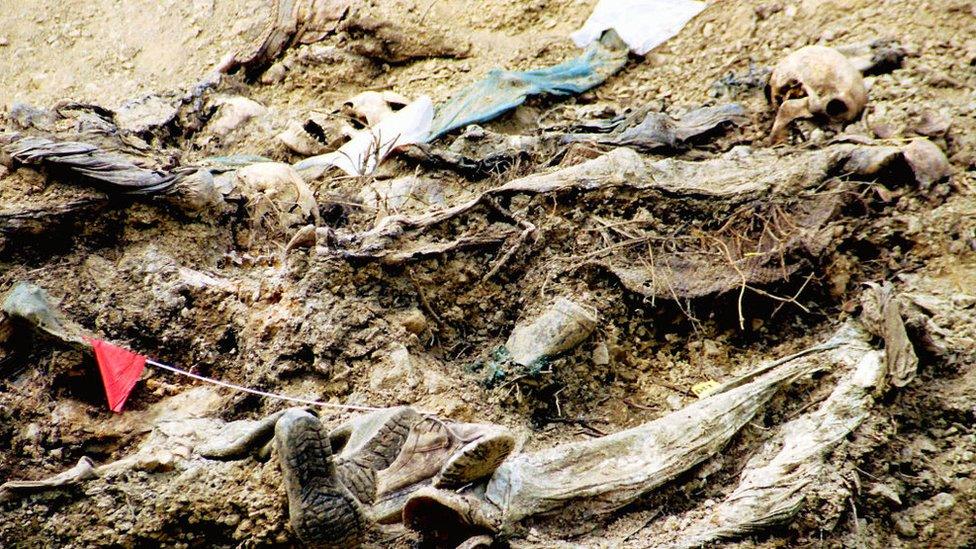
[628,375]
[601,355]
[963,301]
[4,42]
[711,348]
[414,321]
[941,502]
[885,491]
[674,402]
[275,73]
[905,528]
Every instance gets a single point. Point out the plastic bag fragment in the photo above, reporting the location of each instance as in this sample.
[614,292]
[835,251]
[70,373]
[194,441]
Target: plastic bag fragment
[652,130]
[31,305]
[642,24]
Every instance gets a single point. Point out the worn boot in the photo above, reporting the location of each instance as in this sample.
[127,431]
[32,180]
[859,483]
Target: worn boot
[450,519]
[322,511]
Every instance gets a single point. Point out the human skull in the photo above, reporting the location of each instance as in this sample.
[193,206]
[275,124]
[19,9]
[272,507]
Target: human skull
[814,82]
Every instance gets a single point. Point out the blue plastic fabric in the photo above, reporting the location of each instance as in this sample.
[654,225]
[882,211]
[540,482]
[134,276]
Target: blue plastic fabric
[501,91]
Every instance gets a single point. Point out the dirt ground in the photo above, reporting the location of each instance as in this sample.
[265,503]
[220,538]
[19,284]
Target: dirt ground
[425,331]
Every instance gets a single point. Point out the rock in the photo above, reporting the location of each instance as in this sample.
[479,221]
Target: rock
[436,382]
[925,445]
[275,74]
[905,527]
[942,502]
[234,112]
[148,113]
[884,491]
[881,129]
[711,348]
[963,301]
[158,462]
[927,161]
[397,372]
[601,354]
[33,433]
[414,321]
[674,402]
[925,512]
[932,124]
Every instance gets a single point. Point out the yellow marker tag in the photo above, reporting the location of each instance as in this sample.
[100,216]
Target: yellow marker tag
[704,388]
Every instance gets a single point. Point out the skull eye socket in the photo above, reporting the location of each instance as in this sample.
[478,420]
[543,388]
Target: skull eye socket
[836,107]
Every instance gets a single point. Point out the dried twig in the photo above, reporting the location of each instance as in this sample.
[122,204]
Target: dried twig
[424,302]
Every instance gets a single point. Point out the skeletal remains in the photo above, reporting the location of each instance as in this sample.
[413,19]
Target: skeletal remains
[459,482]
[814,82]
[463,483]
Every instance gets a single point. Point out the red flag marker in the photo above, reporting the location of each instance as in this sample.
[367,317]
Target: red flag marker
[120,370]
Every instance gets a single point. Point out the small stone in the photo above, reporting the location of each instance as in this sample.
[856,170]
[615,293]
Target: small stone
[886,492]
[927,161]
[766,10]
[33,433]
[963,301]
[234,112]
[932,124]
[414,321]
[275,74]
[904,527]
[398,371]
[560,327]
[710,348]
[738,152]
[881,130]
[942,502]
[674,402]
[4,42]
[601,354]
[924,444]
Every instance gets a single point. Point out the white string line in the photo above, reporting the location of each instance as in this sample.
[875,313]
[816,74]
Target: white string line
[260,393]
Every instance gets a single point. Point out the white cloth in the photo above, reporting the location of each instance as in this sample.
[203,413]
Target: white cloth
[367,148]
[641,24]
